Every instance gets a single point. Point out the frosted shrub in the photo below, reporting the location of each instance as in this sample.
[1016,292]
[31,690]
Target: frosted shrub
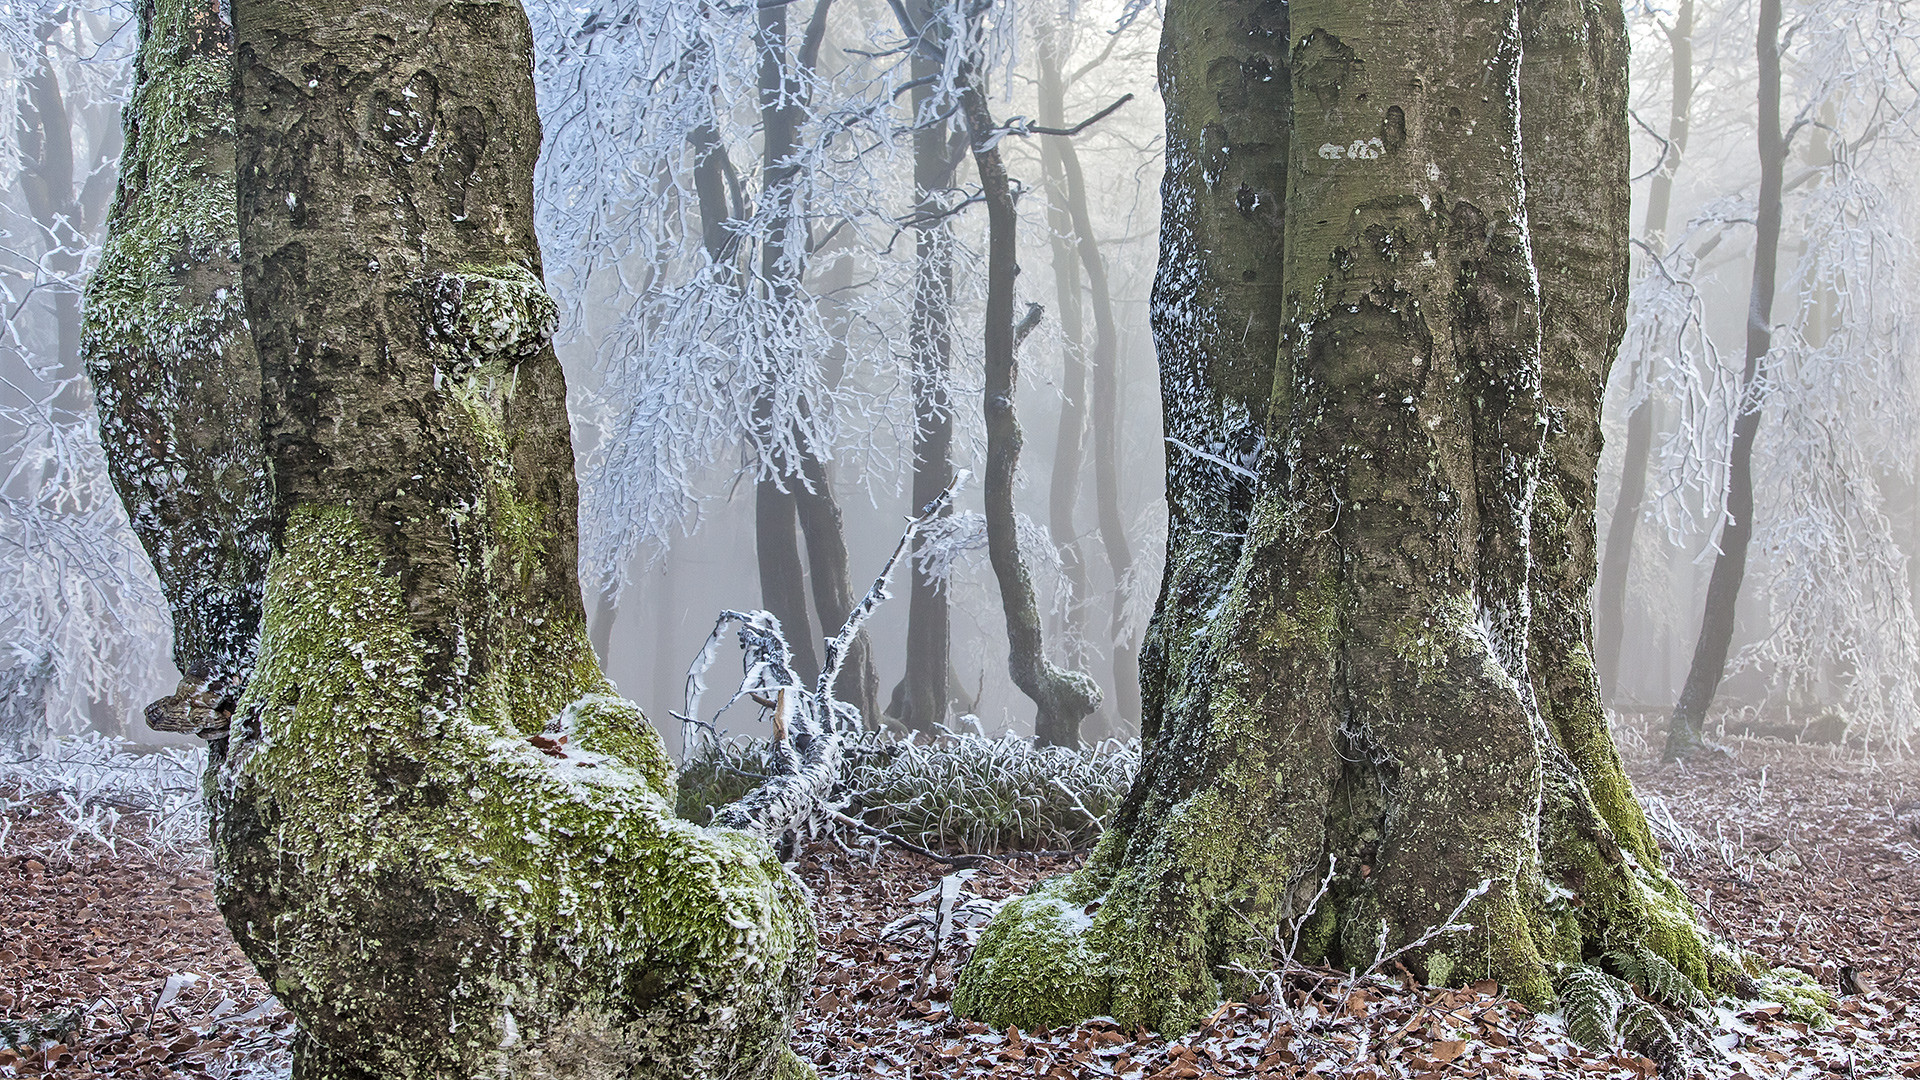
[957,792]
[109,795]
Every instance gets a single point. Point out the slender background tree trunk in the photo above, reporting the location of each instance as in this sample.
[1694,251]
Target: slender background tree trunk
[1107,440]
[929,626]
[1610,614]
[1069,444]
[806,482]
[1062,698]
[1730,567]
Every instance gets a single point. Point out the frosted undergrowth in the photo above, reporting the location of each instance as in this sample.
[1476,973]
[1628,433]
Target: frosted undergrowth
[106,793]
[959,792]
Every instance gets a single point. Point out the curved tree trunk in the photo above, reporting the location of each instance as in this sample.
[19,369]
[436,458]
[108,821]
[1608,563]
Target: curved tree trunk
[1063,698]
[1610,603]
[1730,567]
[431,892]
[1369,686]
[173,367]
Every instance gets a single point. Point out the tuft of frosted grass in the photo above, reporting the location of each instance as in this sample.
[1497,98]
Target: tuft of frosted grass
[110,795]
[962,793]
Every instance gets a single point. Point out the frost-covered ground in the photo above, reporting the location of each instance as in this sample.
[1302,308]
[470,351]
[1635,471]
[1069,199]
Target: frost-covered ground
[110,944]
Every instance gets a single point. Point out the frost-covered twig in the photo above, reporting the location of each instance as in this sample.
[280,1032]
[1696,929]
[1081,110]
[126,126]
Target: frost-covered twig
[838,645]
[104,786]
[1452,925]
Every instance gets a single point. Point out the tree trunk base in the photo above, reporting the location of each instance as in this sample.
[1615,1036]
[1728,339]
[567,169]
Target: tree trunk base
[489,887]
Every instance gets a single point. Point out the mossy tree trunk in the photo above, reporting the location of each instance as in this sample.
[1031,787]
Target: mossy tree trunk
[433,892]
[173,368]
[1709,666]
[1383,337]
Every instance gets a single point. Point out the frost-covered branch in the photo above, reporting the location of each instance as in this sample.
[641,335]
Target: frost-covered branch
[808,726]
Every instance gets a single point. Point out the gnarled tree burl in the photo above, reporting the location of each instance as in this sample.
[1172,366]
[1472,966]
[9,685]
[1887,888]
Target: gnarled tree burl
[430,892]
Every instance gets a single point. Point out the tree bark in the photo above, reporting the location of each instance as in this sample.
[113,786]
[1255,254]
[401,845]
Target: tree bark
[1391,682]
[1062,698]
[174,371]
[1610,614]
[429,889]
[929,626]
[1730,566]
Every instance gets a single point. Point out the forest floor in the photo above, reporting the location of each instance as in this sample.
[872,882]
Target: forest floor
[1805,856]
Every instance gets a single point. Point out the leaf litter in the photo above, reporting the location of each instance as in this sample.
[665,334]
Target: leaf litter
[114,963]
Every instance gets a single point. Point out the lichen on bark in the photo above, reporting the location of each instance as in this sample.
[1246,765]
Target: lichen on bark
[1373,652]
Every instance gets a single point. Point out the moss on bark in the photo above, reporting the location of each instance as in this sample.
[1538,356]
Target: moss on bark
[174,372]
[446,844]
[434,894]
[1390,669]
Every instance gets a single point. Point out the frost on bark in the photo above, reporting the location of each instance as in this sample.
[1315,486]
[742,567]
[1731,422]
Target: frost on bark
[449,849]
[1382,406]
[173,368]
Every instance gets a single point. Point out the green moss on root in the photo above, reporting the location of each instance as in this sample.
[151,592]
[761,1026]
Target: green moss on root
[543,909]
[1804,999]
[1040,968]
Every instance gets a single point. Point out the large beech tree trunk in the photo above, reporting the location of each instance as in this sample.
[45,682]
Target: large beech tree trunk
[1730,566]
[1363,282]
[430,892]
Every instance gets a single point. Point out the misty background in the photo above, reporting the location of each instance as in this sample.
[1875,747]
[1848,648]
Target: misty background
[1826,642]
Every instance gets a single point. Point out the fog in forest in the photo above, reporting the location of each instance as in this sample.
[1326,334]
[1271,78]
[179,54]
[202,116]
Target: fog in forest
[668,323]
